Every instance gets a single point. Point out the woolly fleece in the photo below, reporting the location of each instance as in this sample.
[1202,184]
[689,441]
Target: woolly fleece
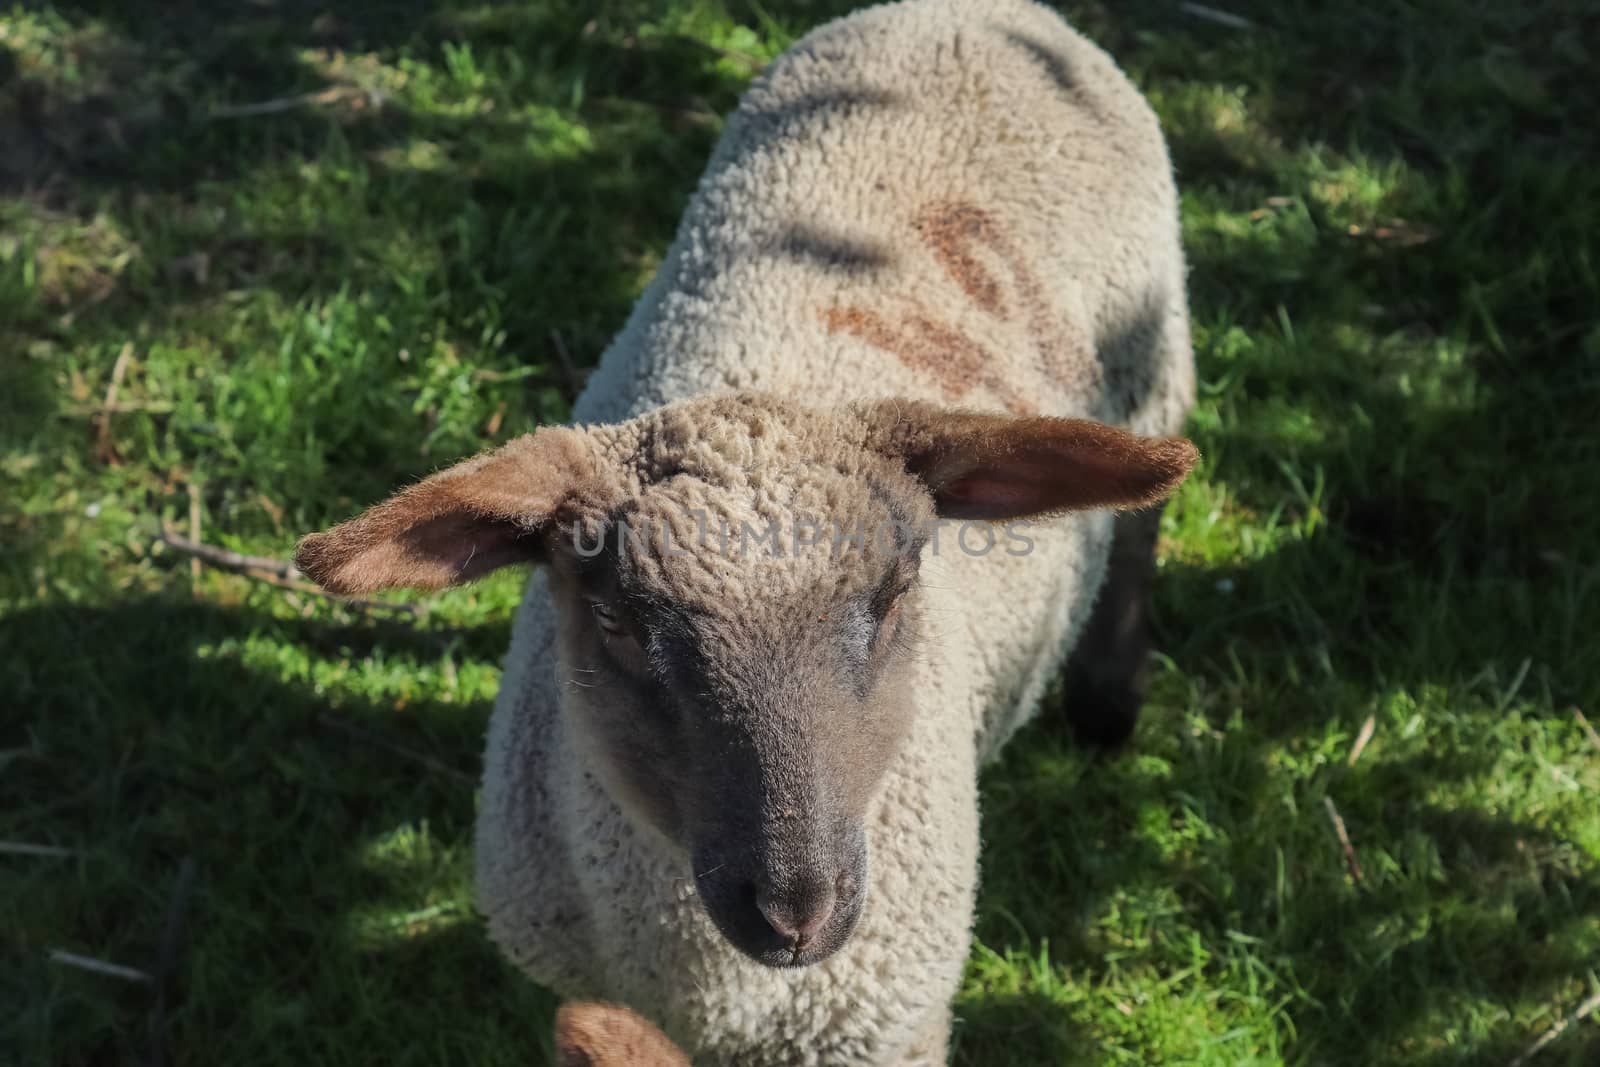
[940,200]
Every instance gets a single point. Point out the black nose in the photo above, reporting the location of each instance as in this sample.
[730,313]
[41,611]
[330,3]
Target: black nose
[797,917]
[784,914]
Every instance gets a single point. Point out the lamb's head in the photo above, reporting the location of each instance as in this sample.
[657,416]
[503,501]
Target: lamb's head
[736,587]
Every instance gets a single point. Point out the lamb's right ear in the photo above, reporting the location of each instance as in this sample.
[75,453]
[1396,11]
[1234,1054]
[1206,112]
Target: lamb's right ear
[610,1035]
[463,522]
[982,465]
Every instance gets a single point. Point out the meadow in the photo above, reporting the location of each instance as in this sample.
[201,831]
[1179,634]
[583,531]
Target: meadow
[262,262]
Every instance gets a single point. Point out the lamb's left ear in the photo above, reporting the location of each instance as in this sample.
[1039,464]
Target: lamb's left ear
[463,522]
[983,466]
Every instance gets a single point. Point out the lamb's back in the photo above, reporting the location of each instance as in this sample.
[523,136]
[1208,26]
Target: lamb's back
[938,199]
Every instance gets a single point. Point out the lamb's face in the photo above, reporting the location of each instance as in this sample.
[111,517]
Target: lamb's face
[736,587]
[736,644]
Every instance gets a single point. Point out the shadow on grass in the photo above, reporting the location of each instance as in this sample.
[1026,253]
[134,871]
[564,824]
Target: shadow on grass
[330,865]
[1020,1028]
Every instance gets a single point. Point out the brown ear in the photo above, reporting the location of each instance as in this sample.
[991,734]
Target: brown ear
[609,1035]
[461,523]
[982,466]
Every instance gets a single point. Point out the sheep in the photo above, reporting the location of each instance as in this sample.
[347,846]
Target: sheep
[881,443]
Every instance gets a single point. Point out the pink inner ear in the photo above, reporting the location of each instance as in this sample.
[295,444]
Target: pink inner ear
[1024,482]
[468,545]
[383,550]
[989,494]
[1106,469]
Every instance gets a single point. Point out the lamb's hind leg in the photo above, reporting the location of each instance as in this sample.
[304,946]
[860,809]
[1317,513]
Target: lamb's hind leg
[1106,677]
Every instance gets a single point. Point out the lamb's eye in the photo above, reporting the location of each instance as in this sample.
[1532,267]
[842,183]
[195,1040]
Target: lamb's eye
[889,615]
[608,619]
[888,602]
[896,584]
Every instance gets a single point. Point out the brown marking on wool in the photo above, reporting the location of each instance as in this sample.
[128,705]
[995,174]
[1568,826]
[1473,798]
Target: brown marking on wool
[951,229]
[955,358]
[857,321]
[921,343]
[956,232]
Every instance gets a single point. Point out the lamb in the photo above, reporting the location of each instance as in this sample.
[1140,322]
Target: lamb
[930,283]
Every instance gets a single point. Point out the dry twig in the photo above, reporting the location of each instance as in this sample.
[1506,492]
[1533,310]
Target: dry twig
[1362,738]
[276,572]
[331,95]
[1344,839]
[269,578]
[223,559]
[121,407]
[1577,1015]
[1221,18]
[119,370]
[194,528]
[88,963]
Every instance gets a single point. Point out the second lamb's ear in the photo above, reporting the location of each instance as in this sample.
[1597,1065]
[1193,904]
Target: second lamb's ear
[983,466]
[461,523]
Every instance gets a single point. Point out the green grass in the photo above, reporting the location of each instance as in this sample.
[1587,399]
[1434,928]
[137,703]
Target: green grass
[1393,216]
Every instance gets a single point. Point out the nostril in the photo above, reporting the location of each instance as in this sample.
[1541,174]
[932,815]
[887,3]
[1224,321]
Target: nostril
[798,920]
